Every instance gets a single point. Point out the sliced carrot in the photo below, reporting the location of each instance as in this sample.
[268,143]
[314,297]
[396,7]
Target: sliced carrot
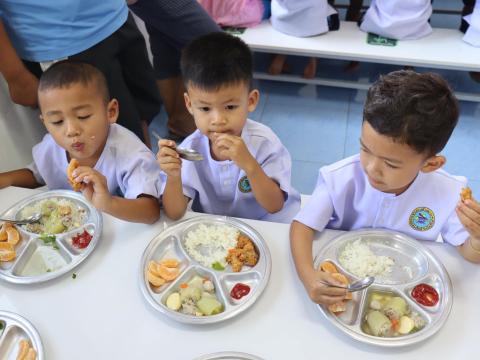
[183,286]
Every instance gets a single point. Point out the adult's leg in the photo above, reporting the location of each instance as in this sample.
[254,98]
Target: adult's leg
[106,56]
[171,25]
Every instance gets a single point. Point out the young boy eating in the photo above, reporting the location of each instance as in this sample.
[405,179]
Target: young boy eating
[246,170]
[117,172]
[395,182]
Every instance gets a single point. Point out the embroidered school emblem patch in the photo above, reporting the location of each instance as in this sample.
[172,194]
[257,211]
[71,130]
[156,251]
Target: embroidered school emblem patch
[422,219]
[244,185]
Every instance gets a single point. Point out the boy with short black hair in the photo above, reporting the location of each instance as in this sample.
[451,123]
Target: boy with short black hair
[396,182]
[117,172]
[246,172]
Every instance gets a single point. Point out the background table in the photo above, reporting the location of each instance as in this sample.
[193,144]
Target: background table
[101,314]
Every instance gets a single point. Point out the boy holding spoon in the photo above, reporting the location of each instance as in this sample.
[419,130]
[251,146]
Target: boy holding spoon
[246,170]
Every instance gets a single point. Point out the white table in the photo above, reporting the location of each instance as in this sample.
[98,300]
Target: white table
[102,315]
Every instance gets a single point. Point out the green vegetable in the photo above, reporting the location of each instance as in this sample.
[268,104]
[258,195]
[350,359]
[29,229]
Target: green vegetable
[217,266]
[395,308]
[49,240]
[209,305]
[74,276]
[191,292]
[1,326]
[378,323]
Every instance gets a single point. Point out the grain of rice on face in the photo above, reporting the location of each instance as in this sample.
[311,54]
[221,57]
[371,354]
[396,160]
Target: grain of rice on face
[218,239]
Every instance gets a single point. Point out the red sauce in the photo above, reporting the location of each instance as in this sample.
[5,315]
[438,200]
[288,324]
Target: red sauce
[239,291]
[425,294]
[82,240]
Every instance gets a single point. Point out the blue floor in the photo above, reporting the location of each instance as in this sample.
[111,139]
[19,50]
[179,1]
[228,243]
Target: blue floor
[320,125]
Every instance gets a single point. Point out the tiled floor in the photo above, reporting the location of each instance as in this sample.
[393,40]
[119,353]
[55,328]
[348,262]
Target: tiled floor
[320,125]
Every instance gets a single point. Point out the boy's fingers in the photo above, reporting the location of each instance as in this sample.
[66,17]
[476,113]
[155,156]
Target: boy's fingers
[468,223]
[167,143]
[470,213]
[472,204]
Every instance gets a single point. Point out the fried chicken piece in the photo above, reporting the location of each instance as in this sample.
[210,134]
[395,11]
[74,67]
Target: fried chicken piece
[466,193]
[70,168]
[242,240]
[234,260]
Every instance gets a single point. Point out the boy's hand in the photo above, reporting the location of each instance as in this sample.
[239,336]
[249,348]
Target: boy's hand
[168,158]
[468,212]
[321,293]
[95,187]
[233,148]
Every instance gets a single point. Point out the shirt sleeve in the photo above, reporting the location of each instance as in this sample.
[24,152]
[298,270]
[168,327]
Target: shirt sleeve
[142,176]
[277,164]
[36,174]
[319,209]
[453,232]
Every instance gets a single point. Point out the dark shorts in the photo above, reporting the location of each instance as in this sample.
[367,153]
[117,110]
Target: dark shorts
[123,59]
[171,25]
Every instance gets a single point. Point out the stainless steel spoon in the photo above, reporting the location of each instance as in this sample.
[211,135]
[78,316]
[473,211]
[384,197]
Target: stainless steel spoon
[355,286]
[187,154]
[29,220]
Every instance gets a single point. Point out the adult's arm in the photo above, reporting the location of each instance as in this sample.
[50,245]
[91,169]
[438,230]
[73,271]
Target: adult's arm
[22,84]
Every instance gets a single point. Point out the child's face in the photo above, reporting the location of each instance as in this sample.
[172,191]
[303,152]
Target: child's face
[391,166]
[78,119]
[221,111]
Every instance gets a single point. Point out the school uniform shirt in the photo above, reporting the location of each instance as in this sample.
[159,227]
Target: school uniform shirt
[472,35]
[128,165]
[301,17]
[222,188]
[344,199]
[398,19]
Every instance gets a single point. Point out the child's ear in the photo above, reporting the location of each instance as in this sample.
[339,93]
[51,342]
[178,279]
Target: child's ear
[188,103]
[433,163]
[40,116]
[253,98]
[112,111]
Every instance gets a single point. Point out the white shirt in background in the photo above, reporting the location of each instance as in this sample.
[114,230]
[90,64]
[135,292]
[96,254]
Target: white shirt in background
[301,17]
[344,199]
[398,19]
[472,35]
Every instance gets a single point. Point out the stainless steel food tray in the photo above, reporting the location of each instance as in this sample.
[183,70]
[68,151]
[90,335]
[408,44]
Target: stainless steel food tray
[414,264]
[169,243]
[12,271]
[229,355]
[16,328]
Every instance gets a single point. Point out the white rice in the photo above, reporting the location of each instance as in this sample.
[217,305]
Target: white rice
[358,258]
[208,244]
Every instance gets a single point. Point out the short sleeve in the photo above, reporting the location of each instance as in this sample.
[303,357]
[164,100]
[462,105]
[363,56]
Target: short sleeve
[36,174]
[319,209]
[277,163]
[141,176]
[453,232]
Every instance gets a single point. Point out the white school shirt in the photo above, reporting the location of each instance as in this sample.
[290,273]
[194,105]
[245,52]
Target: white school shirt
[222,188]
[301,17]
[472,35]
[398,19]
[128,165]
[344,199]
